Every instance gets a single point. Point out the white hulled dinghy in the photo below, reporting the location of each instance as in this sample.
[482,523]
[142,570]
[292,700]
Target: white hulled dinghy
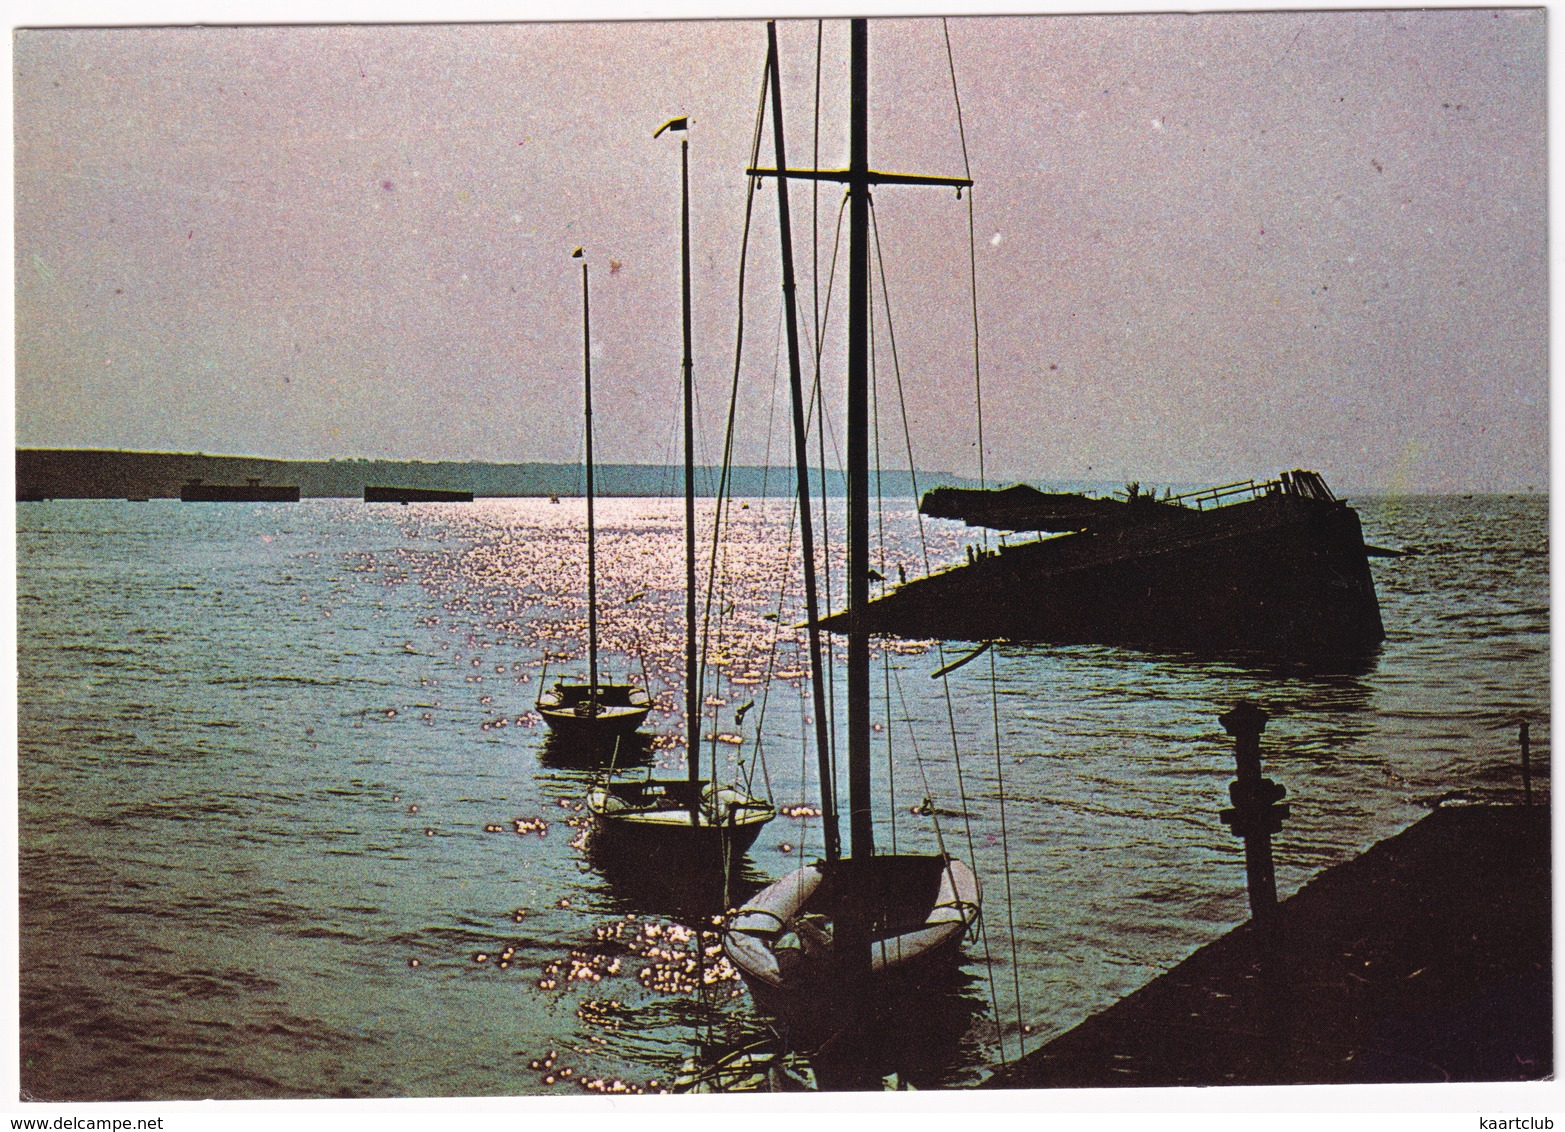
[918,910]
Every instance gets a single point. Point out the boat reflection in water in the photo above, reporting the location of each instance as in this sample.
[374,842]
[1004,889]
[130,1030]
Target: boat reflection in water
[696,891]
[565,752]
[917,1038]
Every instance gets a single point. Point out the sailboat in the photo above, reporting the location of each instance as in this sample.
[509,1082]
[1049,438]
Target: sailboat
[593,714]
[825,940]
[695,818]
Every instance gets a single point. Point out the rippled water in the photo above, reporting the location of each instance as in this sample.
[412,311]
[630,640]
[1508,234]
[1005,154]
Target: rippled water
[281,784]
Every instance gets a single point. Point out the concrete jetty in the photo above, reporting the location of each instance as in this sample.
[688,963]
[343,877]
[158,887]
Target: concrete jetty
[1426,959]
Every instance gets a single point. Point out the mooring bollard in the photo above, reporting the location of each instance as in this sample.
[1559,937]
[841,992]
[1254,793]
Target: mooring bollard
[1526,764]
[1255,815]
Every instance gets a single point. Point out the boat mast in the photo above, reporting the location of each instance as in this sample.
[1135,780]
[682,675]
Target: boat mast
[592,547]
[859,177]
[692,690]
[860,817]
[801,459]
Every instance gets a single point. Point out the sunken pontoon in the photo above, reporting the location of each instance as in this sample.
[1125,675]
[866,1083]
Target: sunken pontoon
[1279,566]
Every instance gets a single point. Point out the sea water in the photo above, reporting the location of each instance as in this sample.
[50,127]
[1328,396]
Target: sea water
[289,825]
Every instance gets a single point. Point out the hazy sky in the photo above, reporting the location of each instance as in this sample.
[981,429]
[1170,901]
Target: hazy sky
[1207,247]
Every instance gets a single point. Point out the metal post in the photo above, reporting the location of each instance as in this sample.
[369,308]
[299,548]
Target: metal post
[1255,815]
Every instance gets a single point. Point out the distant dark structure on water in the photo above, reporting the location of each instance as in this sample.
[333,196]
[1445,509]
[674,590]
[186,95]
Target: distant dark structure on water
[252,491]
[84,473]
[414,495]
[1279,567]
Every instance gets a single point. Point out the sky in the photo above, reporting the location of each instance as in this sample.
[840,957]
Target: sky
[1206,247]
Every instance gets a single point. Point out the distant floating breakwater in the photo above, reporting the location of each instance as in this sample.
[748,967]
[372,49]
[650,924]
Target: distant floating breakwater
[67,473]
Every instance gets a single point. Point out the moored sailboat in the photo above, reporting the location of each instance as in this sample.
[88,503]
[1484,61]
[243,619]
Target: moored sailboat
[595,713]
[698,820]
[817,945]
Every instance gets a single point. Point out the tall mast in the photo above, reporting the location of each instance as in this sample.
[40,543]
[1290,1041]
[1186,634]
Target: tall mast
[860,817]
[592,546]
[692,690]
[859,177]
[692,685]
[802,460]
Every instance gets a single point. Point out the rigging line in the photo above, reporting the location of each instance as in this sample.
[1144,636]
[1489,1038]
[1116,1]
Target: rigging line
[815,300]
[817,397]
[956,755]
[825,315]
[804,769]
[766,688]
[802,514]
[817,406]
[718,580]
[1005,850]
[896,367]
[923,541]
[815,194]
[728,618]
[891,762]
[823,416]
[923,773]
[733,400]
[771,663]
[880,521]
[972,257]
[771,406]
[725,607]
[972,853]
[934,816]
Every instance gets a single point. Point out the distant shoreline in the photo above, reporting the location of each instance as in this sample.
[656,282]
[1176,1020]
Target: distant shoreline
[95,473]
[70,473]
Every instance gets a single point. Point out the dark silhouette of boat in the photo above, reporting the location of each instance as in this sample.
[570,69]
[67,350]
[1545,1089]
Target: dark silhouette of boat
[251,491]
[374,494]
[595,714]
[692,826]
[591,714]
[1278,567]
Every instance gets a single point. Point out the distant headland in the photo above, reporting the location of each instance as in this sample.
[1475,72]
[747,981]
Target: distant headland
[69,473]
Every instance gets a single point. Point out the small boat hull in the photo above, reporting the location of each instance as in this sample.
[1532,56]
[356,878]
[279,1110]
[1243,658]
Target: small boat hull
[676,818]
[568,709]
[918,909]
